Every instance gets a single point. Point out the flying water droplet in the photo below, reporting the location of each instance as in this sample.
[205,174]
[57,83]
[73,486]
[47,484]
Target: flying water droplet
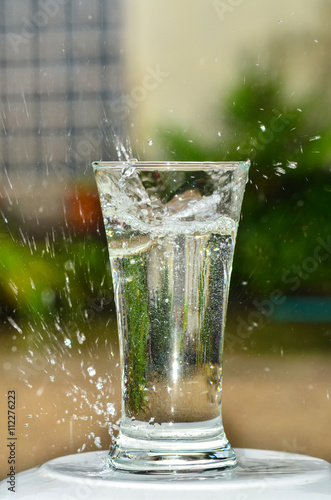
[110,408]
[315,138]
[280,170]
[97,442]
[128,171]
[69,266]
[14,324]
[91,371]
[80,337]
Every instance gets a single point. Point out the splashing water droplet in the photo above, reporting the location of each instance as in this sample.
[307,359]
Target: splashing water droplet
[91,371]
[110,408]
[150,142]
[67,342]
[69,266]
[128,171]
[14,324]
[80,337]
[315,138]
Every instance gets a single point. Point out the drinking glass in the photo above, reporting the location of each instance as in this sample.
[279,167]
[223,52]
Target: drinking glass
[171,230]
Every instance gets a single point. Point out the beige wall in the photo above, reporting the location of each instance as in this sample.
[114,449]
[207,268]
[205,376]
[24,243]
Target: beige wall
[202,48]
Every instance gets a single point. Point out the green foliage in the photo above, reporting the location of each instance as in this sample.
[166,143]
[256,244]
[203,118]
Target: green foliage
[287,200]
[203,344]
[171,183]
[161,325]
[43,279]
[135,364]
[183,332]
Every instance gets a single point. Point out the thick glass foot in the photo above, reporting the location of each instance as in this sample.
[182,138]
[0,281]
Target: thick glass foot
[158,458]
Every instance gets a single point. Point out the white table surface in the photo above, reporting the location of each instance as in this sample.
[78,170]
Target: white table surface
[261,474]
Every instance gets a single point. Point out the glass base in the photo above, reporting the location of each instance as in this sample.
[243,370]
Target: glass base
[180,457]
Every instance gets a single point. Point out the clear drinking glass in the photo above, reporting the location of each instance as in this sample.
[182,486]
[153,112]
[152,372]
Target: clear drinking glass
[171,230]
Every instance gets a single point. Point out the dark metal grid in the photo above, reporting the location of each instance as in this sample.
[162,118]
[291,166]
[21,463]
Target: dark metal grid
[33,90]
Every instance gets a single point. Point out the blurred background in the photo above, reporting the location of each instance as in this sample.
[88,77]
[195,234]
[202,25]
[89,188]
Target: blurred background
[86,80]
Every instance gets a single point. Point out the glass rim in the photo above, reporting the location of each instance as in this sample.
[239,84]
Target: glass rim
[165,165]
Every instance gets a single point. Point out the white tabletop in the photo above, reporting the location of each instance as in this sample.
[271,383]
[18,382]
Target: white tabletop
[261,474]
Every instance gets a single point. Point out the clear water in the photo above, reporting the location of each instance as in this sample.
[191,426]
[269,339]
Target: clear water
[171,302]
